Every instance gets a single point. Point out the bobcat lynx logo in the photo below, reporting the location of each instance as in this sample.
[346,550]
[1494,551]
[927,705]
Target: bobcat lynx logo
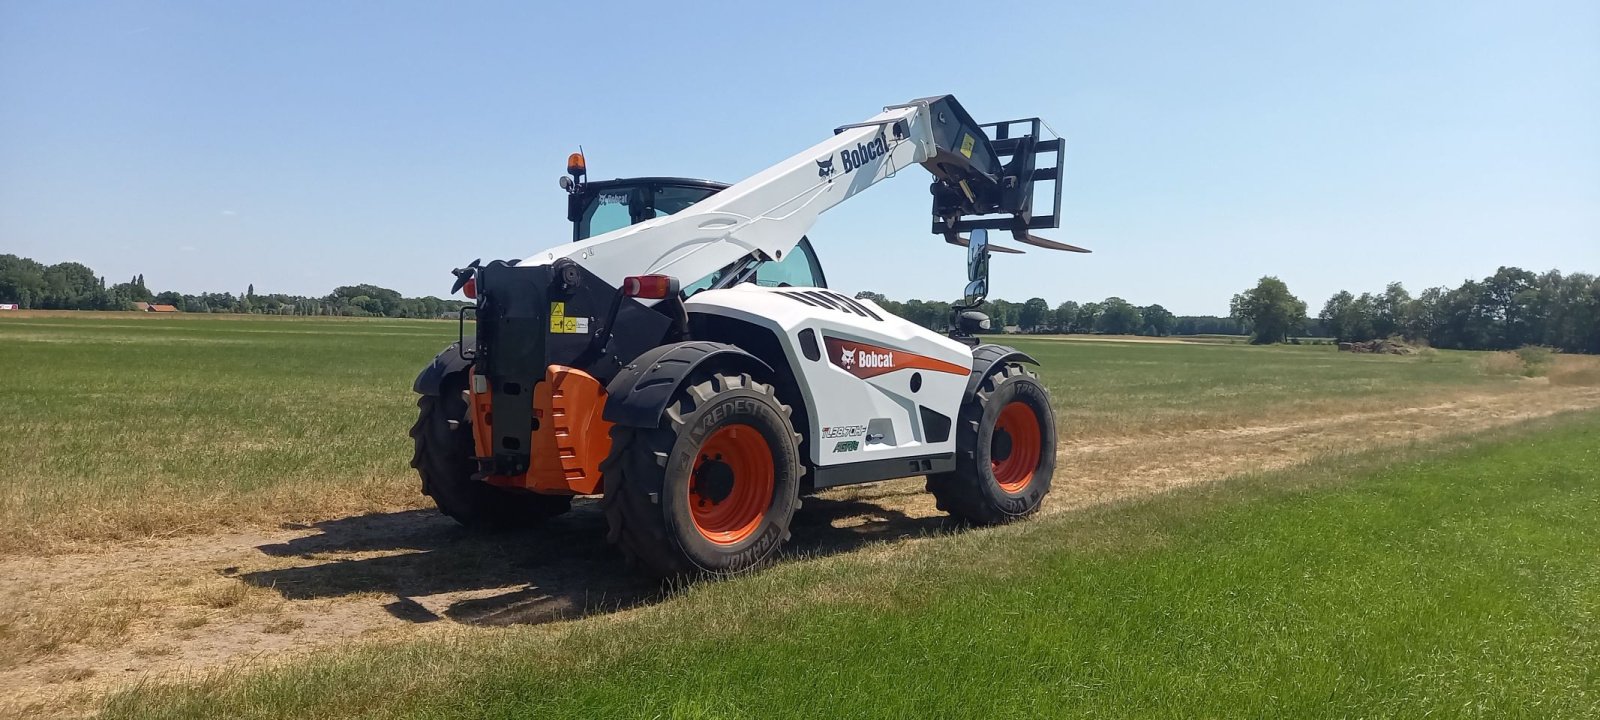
[825,168]
[847,358]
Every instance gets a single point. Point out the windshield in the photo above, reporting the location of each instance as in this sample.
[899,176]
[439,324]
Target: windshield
[617,205]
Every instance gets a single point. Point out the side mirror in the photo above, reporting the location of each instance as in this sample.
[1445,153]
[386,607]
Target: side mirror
[978,256]
[976,291]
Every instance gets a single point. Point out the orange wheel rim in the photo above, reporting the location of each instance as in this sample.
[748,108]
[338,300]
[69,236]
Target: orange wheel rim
[1016,446]
[732,484]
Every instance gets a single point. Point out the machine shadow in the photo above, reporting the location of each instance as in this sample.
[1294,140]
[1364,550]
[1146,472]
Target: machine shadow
[563,570]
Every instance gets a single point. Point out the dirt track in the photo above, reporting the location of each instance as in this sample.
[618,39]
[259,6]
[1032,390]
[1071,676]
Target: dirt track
[199,603]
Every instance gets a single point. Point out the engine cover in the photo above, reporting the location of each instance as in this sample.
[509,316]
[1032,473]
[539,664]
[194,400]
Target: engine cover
[876,386]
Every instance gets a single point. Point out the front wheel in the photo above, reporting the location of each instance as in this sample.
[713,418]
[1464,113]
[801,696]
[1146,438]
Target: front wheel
[1005,451]
[711,490]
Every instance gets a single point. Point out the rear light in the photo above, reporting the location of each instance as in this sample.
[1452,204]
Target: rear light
[470,289]
[650,287]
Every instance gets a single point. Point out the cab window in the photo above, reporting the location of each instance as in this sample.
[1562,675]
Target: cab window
[608,211]
[797,269]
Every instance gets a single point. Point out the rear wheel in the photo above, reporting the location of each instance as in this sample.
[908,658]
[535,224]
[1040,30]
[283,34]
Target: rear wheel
[1005,451]
[443,458]
[713,488]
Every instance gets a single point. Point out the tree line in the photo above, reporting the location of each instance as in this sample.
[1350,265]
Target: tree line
[1509,309]
[1112,316]
[1512,308]
[73,286]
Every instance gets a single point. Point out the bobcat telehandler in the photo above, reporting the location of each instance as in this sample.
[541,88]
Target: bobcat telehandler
[683,359]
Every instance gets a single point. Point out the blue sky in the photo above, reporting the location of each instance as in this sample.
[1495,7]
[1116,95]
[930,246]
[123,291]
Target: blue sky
[302,145]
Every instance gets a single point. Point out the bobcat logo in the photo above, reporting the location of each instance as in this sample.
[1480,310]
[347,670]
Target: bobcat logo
[847,357]
[825,168]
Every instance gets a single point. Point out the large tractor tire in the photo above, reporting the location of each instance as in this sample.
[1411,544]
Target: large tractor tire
[1005,451]
[443,457]
[712,489]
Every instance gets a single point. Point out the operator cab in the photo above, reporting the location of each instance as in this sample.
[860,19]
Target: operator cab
[600,207]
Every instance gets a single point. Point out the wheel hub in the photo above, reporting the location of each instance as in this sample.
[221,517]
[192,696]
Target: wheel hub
[713,480]
[1016,447]
[732,484]
[1000,449]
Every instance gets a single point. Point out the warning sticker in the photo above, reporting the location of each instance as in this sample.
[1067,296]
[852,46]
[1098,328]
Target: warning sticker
[561,324]
[966,145]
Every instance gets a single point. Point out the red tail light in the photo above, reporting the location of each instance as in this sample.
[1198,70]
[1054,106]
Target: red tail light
[650,287]
[470,289]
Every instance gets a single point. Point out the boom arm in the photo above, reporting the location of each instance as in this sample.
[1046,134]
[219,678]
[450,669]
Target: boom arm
[770,211]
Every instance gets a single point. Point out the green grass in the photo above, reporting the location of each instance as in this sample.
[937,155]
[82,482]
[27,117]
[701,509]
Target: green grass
[1457,580]
[141,426]
[125,426]
[1110,389]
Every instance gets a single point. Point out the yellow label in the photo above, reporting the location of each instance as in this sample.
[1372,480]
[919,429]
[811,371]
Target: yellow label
[558,316]
[966,145]
[569,325]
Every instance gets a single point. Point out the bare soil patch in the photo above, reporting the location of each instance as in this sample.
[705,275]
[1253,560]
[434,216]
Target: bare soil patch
[74,627]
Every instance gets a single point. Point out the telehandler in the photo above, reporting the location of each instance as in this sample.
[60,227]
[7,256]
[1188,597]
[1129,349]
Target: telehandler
[683,358]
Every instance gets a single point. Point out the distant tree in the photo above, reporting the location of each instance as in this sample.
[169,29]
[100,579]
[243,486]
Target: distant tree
[1035,314]
[1117,317]
[888,305]
[1389,310]
[1088,317]
[1002,313]
[1348,318]
[1158,321]
[1064,316]
[1207,325]
[1270,310]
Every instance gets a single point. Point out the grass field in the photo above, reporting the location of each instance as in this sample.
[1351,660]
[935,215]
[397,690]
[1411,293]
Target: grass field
[125,427]
[1455,581]
[184,494]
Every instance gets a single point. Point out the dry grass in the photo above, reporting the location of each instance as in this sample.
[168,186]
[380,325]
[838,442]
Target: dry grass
[222,594]
[67,674]
[1503,363]
[1575,371]
[283,626]
[29,631]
